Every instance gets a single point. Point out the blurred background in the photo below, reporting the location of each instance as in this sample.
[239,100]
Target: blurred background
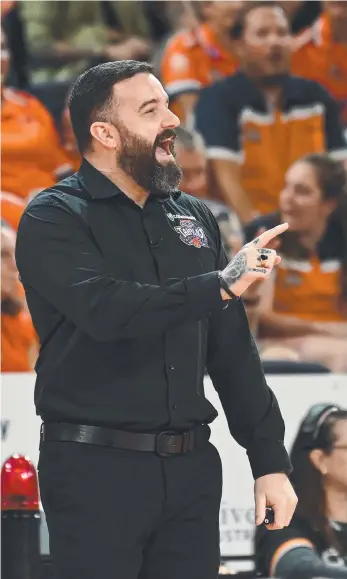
[261,92]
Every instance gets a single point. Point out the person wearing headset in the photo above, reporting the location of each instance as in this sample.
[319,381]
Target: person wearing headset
[315,542]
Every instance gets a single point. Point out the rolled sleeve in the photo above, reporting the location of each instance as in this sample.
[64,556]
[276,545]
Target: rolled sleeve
[218,122]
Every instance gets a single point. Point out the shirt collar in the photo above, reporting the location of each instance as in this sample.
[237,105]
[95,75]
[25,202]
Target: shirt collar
[96,183]
[292,90]
[100,187]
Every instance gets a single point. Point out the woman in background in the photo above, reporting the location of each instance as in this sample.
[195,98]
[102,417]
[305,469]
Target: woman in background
[315,543]
[304,305]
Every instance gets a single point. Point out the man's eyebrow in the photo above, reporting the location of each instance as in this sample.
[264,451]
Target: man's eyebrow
[146,103]
[150,102]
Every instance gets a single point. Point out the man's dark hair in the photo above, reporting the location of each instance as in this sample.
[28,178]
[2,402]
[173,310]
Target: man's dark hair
[91,95]
[239,26]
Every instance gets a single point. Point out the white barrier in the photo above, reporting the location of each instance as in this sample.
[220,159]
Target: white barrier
[20,433]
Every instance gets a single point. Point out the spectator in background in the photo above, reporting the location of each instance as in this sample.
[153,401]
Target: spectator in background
[17,73]
[76,35]
[304,305]
[12,208]
[190,156]
[198,57]
[259,121]
[315,543]
[31,154]
[18,338]
[323,57]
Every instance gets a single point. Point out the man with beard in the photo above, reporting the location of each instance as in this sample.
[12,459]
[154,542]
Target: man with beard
[263,118]
[132,296]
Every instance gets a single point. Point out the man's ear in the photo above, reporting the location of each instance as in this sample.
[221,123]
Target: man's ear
[106,134]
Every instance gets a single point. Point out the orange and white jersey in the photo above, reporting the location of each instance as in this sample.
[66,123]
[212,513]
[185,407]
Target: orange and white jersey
[193,59]
[319,57]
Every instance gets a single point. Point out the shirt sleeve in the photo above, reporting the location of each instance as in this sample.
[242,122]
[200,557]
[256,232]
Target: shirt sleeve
[291,553]
[304,562]
[218,122]
[271,546]
[336,143]
[57,258]
[179,72]
[250,406]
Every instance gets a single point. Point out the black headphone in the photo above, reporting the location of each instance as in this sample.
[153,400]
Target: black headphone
[314,420]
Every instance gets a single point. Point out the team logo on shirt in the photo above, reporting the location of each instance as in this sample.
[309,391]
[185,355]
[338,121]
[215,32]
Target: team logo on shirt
[332,557]
[251,134]
[191,233]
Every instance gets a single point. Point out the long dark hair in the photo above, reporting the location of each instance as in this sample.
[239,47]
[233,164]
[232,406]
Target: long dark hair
[317,430]
[331,177]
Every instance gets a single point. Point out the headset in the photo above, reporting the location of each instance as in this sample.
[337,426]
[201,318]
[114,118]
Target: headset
[315,418]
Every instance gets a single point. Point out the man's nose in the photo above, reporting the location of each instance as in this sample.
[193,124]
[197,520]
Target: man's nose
[171,121]
[275,40]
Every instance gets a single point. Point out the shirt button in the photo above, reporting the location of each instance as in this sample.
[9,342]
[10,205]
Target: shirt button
[174,407]
[171,367]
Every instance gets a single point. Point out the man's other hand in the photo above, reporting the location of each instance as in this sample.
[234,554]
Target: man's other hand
[274,490]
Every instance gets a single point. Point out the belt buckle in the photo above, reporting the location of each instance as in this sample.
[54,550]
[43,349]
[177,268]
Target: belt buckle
[42,432]
[159,441]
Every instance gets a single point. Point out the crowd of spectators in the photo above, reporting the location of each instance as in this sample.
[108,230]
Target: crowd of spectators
[261,92]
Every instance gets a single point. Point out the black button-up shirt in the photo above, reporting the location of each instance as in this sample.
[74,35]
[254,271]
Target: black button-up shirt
[126,302]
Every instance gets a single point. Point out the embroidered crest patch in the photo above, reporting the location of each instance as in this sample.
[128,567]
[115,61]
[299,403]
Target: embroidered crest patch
[191,233]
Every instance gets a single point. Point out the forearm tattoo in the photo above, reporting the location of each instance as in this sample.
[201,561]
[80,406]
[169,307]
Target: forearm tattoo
[236,268]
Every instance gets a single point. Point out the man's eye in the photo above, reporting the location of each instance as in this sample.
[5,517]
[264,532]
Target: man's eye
[150,111]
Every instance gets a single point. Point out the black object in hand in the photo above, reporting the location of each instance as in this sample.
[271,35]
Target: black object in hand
[269,516]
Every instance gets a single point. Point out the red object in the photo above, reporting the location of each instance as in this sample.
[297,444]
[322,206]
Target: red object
[19,485]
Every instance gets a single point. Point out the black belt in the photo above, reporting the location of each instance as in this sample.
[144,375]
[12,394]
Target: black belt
[165,443]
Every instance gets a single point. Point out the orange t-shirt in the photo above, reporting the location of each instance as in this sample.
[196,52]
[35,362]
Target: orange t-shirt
[308,287]
[12,208]
[18,340]
[323,60]
[194,59]
[32,157]
[309,290]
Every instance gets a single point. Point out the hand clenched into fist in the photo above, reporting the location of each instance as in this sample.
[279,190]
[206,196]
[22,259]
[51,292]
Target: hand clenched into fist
[254,262]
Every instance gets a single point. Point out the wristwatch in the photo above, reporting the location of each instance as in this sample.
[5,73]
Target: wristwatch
[225,287]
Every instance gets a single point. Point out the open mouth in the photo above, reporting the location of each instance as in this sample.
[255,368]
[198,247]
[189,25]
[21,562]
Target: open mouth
[276,57]
[164,148]
[166,145]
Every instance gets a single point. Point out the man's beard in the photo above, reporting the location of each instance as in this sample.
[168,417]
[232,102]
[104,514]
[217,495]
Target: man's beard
[138,160]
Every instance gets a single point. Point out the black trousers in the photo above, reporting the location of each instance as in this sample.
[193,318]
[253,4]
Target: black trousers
[131,515]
